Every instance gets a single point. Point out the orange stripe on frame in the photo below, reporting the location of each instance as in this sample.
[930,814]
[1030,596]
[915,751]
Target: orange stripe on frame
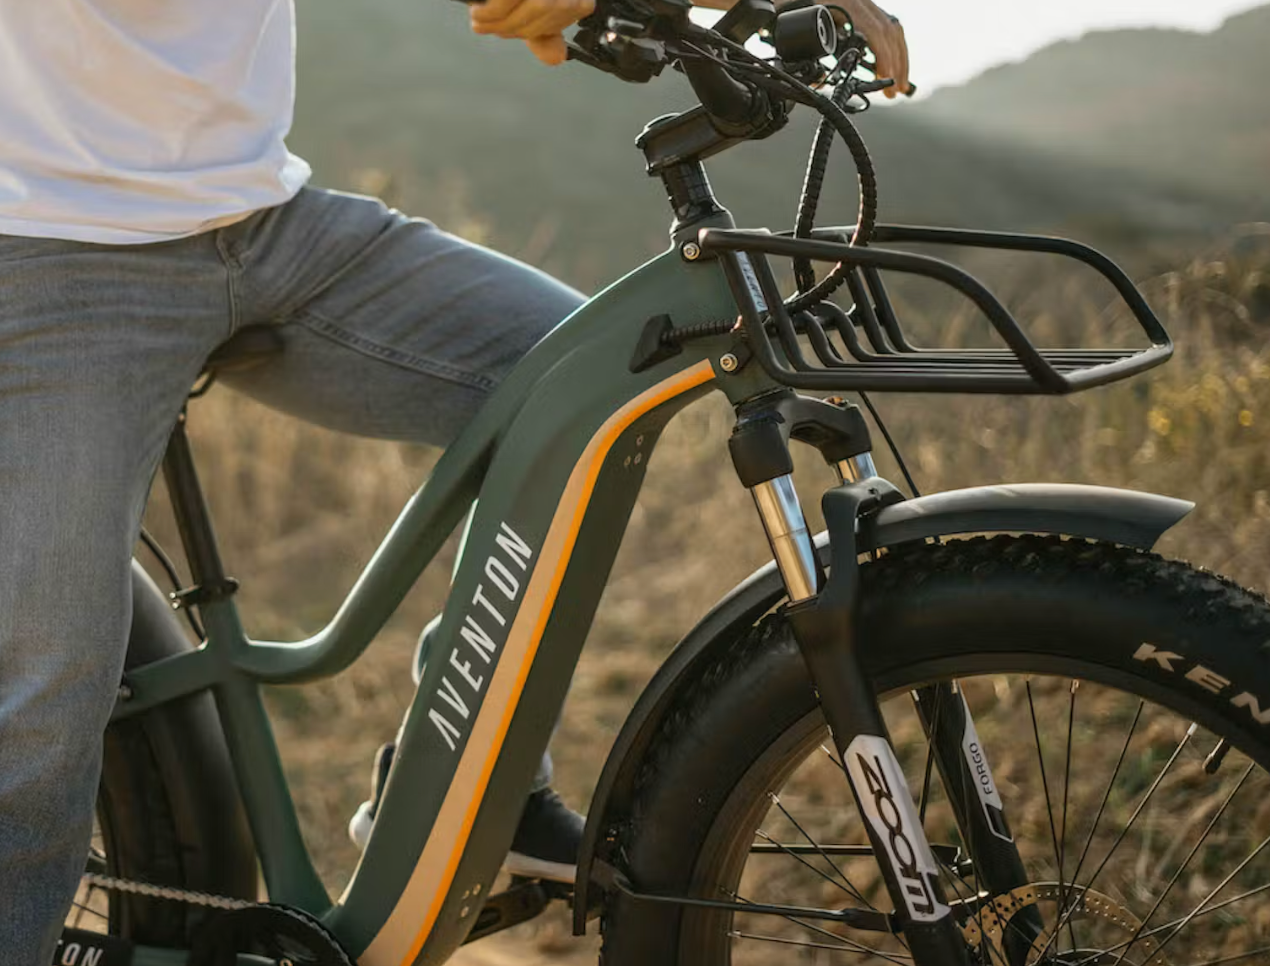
[402,937]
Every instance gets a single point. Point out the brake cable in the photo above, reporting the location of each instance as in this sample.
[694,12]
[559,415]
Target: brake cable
[813,184]
[696,44]
[834,119]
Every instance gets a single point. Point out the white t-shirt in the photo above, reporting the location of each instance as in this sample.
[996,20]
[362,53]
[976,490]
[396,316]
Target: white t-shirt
[130,121]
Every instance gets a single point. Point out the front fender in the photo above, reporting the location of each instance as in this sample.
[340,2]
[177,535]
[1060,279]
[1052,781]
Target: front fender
[1091,512]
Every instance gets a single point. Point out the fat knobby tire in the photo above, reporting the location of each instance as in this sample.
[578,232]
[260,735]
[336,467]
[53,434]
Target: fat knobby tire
[1002,604]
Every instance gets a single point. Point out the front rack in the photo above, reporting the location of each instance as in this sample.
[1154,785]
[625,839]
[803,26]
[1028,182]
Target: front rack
[890,361]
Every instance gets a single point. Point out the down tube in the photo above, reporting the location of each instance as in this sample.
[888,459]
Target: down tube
[521,605]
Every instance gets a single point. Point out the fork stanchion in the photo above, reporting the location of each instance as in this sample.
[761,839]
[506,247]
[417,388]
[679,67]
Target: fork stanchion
[788,536]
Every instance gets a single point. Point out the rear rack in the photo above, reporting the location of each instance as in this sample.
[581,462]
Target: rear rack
[890,361]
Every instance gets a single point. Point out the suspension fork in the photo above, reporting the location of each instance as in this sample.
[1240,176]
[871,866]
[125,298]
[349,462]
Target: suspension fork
[977,806]
[822,613]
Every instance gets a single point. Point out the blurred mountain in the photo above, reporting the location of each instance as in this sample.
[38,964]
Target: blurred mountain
[1183,108]
[398,97]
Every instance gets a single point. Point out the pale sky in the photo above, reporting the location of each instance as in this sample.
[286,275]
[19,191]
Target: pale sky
[952,40]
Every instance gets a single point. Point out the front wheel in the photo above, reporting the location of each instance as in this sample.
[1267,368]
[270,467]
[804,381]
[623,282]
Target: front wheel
[1122,703]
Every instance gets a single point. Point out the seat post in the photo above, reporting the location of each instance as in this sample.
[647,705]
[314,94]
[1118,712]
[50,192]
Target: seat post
[194,523]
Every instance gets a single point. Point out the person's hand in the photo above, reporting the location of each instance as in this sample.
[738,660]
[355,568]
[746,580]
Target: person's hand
[539,23]
[885,35]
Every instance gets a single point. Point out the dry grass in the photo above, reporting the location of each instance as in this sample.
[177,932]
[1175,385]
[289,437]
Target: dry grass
[300,511]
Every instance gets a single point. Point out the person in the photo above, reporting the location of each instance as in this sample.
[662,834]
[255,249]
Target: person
[149,209]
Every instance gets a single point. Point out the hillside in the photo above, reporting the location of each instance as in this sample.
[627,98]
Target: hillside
[1184,108]
[397,96]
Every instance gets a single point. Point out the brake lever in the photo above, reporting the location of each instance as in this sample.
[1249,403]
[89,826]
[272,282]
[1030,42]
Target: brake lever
[573,52]
[885,82]
[873,86]
[631,58]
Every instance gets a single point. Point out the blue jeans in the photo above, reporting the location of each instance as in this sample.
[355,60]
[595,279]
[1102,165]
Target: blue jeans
[392,328]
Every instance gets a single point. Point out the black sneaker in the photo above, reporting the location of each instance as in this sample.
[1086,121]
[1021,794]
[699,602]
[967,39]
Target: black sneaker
[547,840]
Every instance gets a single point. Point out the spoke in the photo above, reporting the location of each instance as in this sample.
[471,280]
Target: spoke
[860,951]
[1045,787]
[1159,779]
[816,845]
[967,807]
[1221,905]
[1066,914]
[1049,809]
[851,944]
[930,754]
[1165,927]
[1062,835]
[1234,958]
[1207,899]
[83,908]
[1180,869]
[834,758]
[1195,913]
[975,897]
[1106,795]
[850,889]
[976,893]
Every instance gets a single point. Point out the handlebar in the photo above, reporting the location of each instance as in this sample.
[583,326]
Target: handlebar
[743,97]
[731,103]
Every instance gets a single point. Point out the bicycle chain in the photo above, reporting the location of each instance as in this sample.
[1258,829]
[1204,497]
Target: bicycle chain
[111,883]
[209,948]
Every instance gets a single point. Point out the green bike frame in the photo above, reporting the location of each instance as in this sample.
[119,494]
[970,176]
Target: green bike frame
[549,471]
[547,475]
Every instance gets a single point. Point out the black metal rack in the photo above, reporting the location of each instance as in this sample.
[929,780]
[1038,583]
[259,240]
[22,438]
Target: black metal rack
[889,361]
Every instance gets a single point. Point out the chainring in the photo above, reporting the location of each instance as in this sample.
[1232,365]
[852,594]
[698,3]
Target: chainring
[286,936]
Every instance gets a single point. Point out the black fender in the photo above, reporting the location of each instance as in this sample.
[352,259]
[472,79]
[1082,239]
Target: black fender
[218,854]
[1092,512]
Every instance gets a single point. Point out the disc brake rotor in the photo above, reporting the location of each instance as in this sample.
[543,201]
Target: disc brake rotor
[1075,903]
